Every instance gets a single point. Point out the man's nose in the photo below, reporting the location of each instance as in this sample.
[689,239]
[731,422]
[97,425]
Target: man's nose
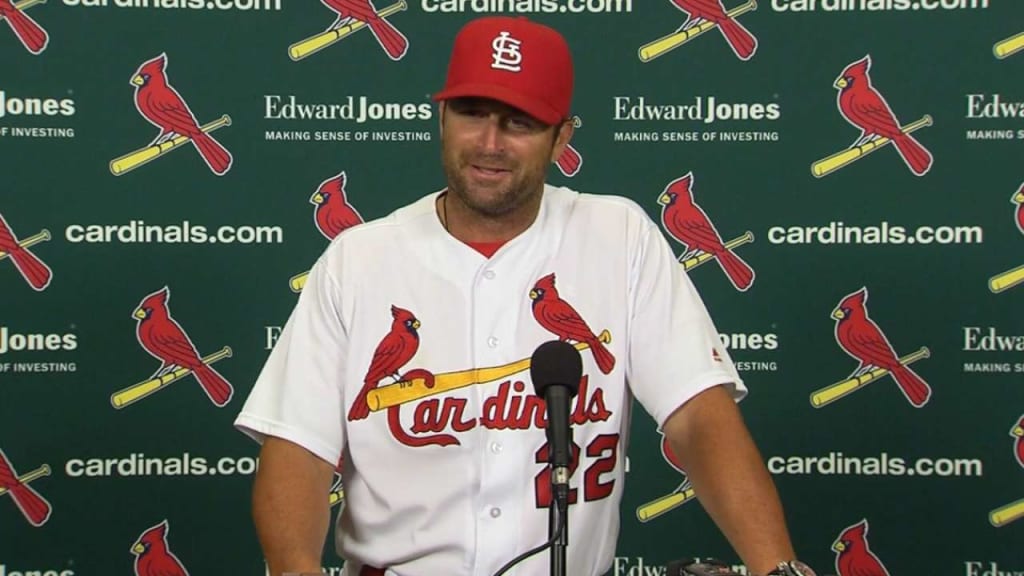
[491,134]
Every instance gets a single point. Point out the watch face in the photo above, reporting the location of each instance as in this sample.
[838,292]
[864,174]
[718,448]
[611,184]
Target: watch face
[800,569]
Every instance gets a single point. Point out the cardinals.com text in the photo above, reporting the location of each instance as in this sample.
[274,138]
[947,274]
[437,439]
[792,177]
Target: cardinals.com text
[529,6]
[138,232]
[875,5]
[839,464]
[240,5]
[138,464]
[884,233]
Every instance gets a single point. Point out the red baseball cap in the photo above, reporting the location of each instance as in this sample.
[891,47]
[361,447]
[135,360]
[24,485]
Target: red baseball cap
[513,60]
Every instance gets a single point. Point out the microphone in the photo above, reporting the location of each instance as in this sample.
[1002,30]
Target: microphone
[556,368]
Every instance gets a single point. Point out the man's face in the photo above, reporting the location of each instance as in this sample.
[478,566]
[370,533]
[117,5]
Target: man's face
[496,157]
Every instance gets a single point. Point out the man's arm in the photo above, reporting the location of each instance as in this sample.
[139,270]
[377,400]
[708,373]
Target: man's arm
[290,506]
[711,441]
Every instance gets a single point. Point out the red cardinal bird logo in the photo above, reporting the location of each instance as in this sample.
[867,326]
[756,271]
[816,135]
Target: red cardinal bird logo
[32,269]
[864,108]
[163,107]
[153,557]
[165,340]
[333,212]
[863,340]
[853,557]
[390,39]
[559,317]
[689,224]
[1018,212]
[1017,433]
[31,34]
[395,350]
[569,161]
[742,42]
[34,507]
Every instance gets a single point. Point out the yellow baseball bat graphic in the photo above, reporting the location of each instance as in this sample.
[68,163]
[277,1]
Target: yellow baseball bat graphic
[43,470]
[318,42]
[1005,514]
[336,496]
[656,508]
[24,4]
[137,392]
[691,263]
[674,40]
[848,156]
[1009,46]
[416,388]
[133,160]
[298,281]
[30,241]
[834,392]
[1006,280]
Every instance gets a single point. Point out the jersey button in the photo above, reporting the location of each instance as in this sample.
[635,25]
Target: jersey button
[492,342]
[495,512]
[489,274]
[496,447]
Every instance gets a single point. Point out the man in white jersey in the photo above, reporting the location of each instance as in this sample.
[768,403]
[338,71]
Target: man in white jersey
[406,356]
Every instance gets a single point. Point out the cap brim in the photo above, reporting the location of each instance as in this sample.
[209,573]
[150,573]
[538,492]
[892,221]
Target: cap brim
[536,108]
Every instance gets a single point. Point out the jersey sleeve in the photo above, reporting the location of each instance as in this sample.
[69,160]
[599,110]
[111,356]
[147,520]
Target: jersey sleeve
[674,350]
[298,393]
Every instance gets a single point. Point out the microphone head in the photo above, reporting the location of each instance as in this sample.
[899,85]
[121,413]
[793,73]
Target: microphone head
[556,362]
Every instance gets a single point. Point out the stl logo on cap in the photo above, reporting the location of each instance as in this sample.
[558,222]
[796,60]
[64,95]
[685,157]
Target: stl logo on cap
[506,53]
[31,34]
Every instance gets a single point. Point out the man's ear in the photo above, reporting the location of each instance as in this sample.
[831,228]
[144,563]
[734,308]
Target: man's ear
[564,134]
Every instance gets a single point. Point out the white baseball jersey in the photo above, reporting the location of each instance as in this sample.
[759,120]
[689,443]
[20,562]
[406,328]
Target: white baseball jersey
[444,460]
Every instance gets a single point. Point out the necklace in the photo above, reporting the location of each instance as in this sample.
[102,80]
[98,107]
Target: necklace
[444,211]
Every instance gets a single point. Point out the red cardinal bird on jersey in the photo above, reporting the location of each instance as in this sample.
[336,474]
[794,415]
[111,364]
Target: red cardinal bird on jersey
[394,351]
[853,557]
[1017,433]
[560,318]
[333,212]
[739,38]
[864,108]
[153,558]
[391,40]
[862,339]
[569,161]
[37,274]
[31,34]
[163,107]
[164,339]
[1018,214]
[688,224]
[35,508]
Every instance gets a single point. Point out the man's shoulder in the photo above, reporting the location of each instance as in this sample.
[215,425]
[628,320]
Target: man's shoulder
[377,233]
[587,204]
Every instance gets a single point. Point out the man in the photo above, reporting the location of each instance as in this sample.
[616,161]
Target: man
[400,358]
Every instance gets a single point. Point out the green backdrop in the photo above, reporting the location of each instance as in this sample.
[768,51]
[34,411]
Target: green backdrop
[101,461]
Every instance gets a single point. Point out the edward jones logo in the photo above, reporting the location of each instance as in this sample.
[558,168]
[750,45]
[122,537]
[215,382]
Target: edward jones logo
[350,16]
[861,338]
[18,108]
[17,252]
[705,111]
[163,338]
[352,109]
[31,35]
[864,108]
[995,107]
[332,213]
[163,107]
[702,16]
[32,505]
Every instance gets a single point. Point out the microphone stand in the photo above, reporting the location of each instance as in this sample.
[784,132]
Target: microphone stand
[558,519]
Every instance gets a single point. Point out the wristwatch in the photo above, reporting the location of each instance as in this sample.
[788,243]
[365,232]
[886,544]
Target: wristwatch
[792,568]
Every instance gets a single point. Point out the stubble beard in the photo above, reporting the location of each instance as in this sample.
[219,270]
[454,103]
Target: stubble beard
[491,201]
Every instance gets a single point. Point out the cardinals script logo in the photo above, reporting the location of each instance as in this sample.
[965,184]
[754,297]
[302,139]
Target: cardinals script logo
[864,108]
[1015,510]
[681,495]
[30,33]
[162,106]
[569,161]
[164,339]
[33,507]
[332,213]
[1010,278]
[689,225]
[703,15]
[352,16]
[31,268]
[1009,46]
[863,340]
[153,557]
[853,556]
